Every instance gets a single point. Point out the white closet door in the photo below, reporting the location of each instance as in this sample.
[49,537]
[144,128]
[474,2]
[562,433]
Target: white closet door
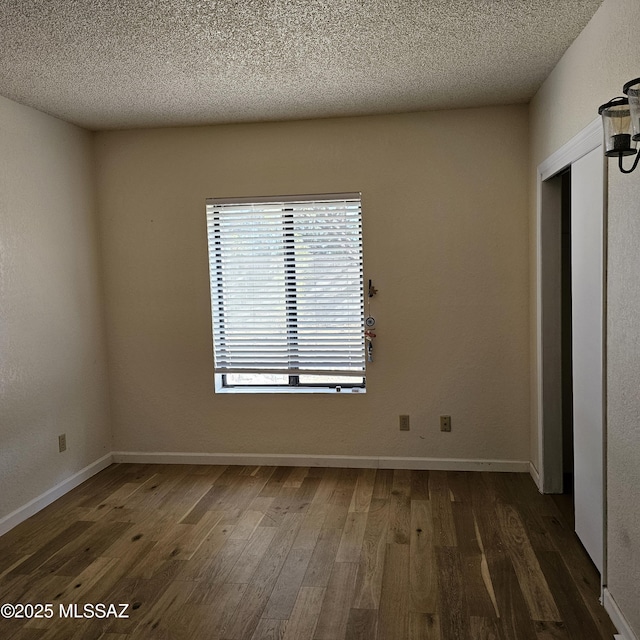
[587,265]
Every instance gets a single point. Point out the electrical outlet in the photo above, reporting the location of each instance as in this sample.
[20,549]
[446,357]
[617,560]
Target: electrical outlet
[445,423]
[62,442]
[404,423]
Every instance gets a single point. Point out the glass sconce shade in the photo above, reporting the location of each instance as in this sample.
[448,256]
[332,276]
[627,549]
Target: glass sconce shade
[632,91]
[616,119]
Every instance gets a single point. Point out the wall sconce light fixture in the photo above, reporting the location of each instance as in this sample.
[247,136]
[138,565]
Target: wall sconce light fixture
[621,122]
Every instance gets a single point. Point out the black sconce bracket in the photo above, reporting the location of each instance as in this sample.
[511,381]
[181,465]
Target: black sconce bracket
[635,164]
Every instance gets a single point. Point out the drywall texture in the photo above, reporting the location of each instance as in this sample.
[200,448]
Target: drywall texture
[52,347]
[623,387]
[593,70]
[445,242]
[175,62]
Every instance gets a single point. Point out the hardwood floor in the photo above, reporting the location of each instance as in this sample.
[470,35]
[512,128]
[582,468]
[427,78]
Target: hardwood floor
[289,553]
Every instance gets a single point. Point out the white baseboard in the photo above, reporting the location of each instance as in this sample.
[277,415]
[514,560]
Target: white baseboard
[289,459]
[453,464]
[617,617]
[533,472]
[37,504]
[281,459]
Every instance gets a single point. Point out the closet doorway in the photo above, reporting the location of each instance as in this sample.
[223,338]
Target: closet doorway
[571,271]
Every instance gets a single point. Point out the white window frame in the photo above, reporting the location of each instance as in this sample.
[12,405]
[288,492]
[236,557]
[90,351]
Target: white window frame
[302,260]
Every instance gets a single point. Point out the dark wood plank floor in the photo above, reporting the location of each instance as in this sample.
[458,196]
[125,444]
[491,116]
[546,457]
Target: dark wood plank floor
[290,553]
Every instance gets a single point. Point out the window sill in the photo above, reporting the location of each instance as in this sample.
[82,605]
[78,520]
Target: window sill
[287,390]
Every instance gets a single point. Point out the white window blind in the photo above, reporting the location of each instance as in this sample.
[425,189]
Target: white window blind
[287,284]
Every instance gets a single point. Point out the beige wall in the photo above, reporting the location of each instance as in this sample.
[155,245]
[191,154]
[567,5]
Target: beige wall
[593,70]
[445,242]
[52,348]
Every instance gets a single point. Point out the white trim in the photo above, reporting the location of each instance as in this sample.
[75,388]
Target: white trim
[37,504]
[617,617]
[533,472]
[582,143]
[453,464]
[290,459]
[539,359]
[280,459]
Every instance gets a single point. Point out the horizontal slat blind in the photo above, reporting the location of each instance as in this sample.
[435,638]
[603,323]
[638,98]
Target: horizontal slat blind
[286,284]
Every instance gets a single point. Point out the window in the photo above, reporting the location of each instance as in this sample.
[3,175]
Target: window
[287,298]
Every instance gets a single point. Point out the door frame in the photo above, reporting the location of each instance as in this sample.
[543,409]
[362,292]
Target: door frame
[548,476]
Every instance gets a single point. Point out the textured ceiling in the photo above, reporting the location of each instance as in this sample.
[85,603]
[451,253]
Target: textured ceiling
[106,64]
